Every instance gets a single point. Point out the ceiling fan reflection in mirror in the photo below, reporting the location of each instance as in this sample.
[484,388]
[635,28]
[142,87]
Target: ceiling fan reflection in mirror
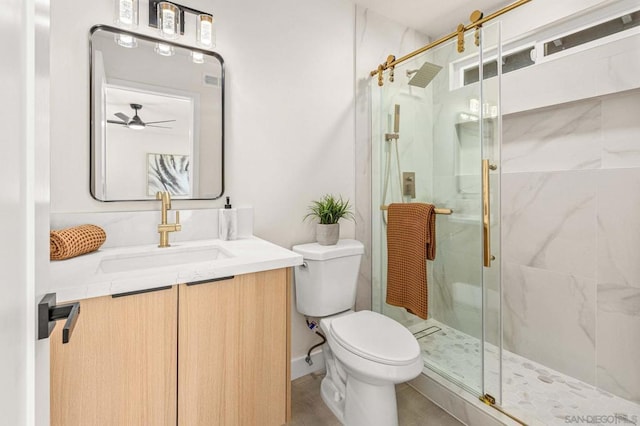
[136,122]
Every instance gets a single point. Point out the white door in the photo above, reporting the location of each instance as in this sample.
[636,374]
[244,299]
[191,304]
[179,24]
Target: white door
[24,209]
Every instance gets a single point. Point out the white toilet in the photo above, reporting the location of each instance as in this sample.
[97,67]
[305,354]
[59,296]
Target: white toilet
[366,353]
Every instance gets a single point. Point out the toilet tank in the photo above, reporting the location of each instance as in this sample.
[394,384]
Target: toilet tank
[326,282]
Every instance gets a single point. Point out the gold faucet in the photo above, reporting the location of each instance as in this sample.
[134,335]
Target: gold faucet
[164,228]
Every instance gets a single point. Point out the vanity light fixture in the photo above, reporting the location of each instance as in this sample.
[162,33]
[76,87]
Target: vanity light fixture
[164,49]
[169,18]
[127,13]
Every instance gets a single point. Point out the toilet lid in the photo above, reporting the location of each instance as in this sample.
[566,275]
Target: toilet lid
[375,337]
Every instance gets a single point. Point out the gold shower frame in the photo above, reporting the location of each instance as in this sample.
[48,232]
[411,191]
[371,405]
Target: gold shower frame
[477,20]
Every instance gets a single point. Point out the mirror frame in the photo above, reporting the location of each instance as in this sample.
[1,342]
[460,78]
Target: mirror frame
[145,37]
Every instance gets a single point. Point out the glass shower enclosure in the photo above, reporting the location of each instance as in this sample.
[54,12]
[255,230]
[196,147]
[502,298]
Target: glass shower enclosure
[435,136]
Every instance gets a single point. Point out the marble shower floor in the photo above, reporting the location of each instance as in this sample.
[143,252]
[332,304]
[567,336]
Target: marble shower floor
[532,392]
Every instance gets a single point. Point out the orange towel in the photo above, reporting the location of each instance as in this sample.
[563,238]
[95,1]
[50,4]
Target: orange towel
[74,241]
[410,242]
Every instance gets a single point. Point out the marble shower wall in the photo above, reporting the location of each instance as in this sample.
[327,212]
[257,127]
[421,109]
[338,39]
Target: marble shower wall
[571,239]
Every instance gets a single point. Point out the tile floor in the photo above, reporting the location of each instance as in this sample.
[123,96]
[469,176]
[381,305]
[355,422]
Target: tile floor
[307,408]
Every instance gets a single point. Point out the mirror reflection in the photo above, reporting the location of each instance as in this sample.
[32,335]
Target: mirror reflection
[156,118]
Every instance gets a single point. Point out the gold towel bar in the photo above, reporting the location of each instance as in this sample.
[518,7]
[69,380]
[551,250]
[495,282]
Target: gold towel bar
[438,211]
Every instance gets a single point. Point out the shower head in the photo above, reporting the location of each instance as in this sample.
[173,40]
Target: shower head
[424,74]
[396,125]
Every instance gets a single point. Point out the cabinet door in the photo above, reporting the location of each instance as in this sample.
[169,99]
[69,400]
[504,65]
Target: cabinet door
[119,367]
[233,342]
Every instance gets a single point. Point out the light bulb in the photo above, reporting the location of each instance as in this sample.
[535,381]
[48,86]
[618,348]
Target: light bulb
[127,13]
[204,30]
[127,41]
[168,20]
[197,57]
[164,49]
[136,126]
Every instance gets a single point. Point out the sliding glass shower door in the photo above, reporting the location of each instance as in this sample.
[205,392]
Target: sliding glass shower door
[434,127]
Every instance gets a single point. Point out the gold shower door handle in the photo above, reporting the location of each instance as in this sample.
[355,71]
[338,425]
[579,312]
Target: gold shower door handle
[486,215]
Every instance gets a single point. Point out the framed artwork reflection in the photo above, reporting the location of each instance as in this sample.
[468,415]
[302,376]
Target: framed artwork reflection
[168,172]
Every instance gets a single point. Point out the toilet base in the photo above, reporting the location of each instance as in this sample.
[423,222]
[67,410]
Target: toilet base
[363,404]
[332,398]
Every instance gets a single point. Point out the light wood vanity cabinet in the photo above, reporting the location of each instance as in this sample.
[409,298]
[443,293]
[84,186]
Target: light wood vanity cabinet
[214,353]
[119,367]
[233,356]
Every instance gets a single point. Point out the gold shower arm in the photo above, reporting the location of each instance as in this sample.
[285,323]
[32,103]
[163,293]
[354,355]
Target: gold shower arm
[477,21]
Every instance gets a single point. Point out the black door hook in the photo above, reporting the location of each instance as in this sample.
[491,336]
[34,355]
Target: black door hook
[49,313]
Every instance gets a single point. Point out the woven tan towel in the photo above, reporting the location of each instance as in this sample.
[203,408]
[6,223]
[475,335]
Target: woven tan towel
[74,241]
[410,242]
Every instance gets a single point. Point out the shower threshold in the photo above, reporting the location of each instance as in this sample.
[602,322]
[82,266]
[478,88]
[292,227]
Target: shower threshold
[531,391]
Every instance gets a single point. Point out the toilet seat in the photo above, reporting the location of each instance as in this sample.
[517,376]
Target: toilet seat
[375,337]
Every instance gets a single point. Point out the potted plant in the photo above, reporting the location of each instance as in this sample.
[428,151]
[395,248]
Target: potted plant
[329,210]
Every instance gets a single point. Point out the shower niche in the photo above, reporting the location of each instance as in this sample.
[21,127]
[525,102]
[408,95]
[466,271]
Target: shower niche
[467,148]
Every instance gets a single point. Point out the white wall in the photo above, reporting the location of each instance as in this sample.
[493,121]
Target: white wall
[289,112]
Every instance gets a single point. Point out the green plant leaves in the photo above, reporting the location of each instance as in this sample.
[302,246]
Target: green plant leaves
[330,209]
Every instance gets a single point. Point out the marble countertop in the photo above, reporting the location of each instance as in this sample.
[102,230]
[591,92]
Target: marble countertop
[87,276]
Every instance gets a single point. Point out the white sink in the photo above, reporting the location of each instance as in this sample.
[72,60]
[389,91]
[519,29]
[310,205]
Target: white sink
[159,257]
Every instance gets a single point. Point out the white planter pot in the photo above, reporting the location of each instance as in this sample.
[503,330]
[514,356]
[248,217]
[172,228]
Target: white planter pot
[327,235]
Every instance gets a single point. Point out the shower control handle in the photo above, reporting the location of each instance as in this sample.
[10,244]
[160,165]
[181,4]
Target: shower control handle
[409,184]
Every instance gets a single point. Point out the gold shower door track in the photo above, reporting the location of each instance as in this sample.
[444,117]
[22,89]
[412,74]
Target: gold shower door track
[477,20]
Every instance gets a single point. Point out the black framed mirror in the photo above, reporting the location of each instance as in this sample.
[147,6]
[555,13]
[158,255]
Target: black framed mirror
[157,118]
